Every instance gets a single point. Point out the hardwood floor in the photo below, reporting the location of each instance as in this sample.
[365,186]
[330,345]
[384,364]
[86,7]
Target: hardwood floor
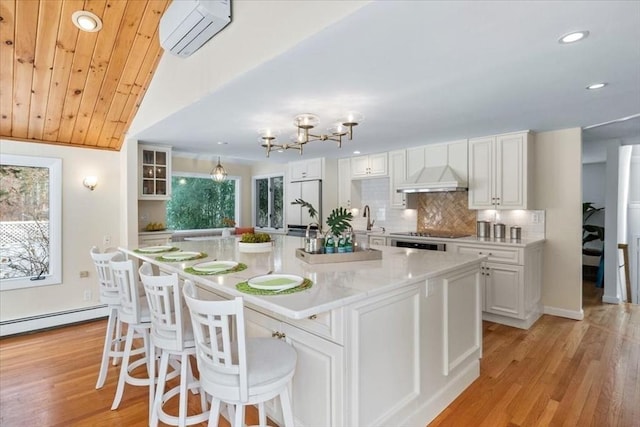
[560,372]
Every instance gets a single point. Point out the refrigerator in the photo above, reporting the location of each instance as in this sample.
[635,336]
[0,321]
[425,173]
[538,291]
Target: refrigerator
[297,217]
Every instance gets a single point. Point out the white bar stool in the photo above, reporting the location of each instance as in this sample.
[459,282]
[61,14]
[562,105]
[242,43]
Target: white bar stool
[108,295]
[172,334]
[133,311]
[236,370]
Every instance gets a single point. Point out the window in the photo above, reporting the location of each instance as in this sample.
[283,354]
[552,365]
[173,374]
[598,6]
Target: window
[30,221]
[197,202]
[269,201]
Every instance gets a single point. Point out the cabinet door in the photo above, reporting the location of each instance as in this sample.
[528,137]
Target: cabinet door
[359,166]
[397,175]
[504,286]
[378,164]
[314,168]
[481,173]
[318,381]
[154,172]
[511,171]
[344,183]
[317,396]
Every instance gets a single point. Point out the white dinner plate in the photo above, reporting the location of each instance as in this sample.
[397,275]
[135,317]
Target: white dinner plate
[155,249]
[214,266]
[177,256]
[275,282]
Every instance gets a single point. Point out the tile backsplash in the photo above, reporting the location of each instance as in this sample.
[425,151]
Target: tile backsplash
[442,211]
[445,212]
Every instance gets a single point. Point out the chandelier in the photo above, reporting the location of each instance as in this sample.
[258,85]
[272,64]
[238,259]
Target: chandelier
[218,174]
[304,123]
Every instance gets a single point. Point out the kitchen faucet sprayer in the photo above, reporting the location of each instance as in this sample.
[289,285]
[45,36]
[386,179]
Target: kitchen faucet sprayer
[367,214]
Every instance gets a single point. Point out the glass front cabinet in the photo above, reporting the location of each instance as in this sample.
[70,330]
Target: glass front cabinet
[154,179]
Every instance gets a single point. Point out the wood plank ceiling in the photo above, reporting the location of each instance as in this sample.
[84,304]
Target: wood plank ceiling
[61,85]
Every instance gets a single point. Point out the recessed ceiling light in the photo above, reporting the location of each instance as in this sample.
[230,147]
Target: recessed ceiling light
[222,143]
[573,37]
[596,86]
[86,21]
[356,152]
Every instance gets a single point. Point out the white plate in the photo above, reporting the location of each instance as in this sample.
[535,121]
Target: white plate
[155,249]
[275,282]
[214,266]
[177,256]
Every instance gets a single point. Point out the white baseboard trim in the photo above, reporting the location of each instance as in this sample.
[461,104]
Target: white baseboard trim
[34,323]
[562,312]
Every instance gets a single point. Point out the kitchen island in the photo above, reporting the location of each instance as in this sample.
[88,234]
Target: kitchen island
[383,342]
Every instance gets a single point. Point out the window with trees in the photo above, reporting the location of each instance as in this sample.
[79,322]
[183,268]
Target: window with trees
[269,201]
[30,221]
[197,202]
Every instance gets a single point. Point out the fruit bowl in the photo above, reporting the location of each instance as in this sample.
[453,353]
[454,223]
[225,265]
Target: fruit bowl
[255,247]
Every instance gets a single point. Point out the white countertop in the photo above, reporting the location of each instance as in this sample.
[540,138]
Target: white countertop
[335,284]
[469,239]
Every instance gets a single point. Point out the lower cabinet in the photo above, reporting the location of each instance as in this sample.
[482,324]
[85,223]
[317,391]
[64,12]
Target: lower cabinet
[512,282]
[318,381]
[503,286]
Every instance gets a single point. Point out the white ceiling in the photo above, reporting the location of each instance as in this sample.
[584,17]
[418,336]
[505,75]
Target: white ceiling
[428,71]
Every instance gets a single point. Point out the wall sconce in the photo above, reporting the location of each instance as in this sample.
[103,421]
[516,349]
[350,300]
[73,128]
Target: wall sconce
[90,182]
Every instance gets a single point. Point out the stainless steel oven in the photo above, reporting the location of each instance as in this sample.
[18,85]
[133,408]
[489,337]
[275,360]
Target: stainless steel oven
[429,246]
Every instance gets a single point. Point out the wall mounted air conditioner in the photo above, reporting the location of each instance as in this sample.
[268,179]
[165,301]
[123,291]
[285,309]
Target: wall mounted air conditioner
[188,24]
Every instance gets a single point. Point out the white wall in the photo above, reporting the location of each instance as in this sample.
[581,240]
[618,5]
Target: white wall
[87,216]
[272,27]
[557,187]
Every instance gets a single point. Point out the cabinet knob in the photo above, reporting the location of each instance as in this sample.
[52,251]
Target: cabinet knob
[313,317]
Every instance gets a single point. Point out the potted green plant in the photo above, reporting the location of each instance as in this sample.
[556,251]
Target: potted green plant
[338,221]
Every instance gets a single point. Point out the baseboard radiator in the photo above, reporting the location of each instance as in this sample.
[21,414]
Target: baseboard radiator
[51,320]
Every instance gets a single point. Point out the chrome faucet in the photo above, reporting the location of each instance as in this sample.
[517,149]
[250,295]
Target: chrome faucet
[367,214]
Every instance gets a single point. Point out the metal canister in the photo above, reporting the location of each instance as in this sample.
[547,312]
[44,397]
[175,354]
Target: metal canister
[483,229]
[499,231]
[515,233]
[313,245]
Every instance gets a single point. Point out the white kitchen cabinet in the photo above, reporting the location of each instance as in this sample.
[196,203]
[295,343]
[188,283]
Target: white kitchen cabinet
[344,183]
[304,170]
[154,172]
[512,282]
[499,171]
[318,380]
[397,175]
[371,166]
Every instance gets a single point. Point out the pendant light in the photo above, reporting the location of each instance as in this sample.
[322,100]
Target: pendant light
[218,173]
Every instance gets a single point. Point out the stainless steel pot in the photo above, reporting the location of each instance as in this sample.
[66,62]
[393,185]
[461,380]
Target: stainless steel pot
[313,245]
[483,229]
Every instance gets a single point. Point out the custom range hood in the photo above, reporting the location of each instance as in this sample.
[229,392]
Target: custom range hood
[433,179]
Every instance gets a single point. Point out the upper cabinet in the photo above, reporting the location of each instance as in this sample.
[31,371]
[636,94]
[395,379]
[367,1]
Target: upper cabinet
[371,166]
[154,172]
[499,171]
[397,175]
[344,183]
[306,170]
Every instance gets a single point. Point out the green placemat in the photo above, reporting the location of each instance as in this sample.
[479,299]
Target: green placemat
[244,287]
[202,255]
[173,248]
[238,267]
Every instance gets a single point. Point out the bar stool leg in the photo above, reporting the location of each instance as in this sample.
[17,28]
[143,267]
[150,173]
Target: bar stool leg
[109,343]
